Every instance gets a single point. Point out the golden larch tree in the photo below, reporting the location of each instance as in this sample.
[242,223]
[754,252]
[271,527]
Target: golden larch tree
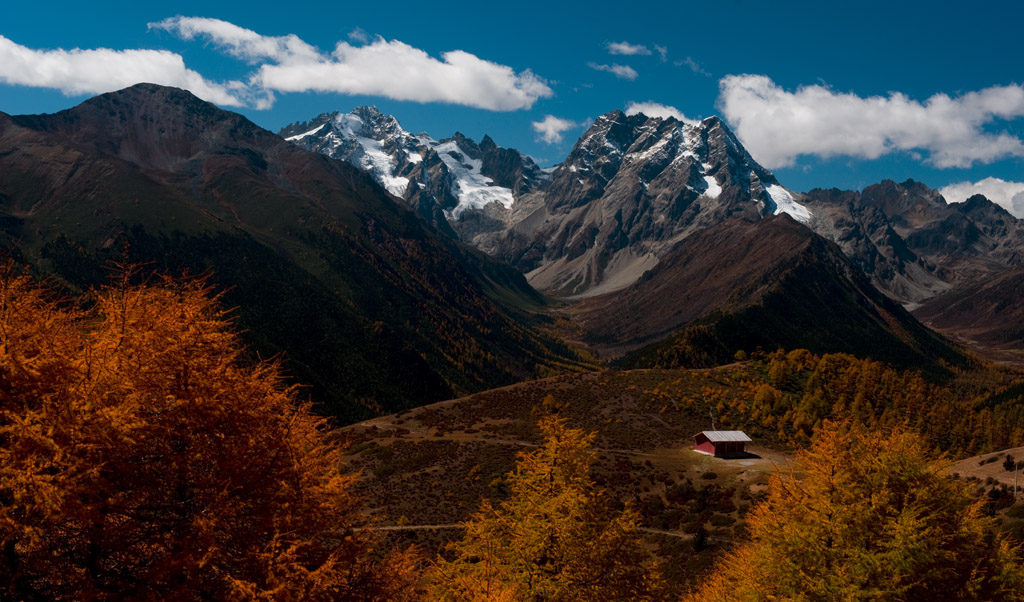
[556,538]
[141,459]
[867,516]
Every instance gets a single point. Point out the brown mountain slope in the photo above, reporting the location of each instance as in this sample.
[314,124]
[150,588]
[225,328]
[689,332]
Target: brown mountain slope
[425,470]
[742,285]
[989,314]
[372,307]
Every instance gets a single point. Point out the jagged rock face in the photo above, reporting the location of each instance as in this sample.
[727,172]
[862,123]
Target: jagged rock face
[631,188]
[440,179]
[629,191]
[911,243]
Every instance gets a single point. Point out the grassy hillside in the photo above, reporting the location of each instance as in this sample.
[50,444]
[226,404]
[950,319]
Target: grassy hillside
[426,469]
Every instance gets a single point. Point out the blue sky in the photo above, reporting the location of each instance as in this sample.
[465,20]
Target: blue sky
[823,95]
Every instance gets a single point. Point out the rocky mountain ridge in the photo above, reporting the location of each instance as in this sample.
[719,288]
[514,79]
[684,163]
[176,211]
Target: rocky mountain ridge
[626,194]
[370,306]
[440,179]
[912,243]
[633,187]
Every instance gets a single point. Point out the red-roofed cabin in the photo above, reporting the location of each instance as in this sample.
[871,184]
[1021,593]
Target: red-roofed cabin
[721,444]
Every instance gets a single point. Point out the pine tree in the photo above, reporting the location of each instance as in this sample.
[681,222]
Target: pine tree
[141,460]
[555,539]
[871,517]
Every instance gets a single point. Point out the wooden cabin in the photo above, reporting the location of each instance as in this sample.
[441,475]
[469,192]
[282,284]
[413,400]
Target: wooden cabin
[721,444]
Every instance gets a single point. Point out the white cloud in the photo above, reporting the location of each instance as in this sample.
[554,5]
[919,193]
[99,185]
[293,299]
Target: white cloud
[359,35]
[693,65]
[551,128]
[627,49]
[95,71]
[662,52]
[386,68]
[653,109]
[620,71]
[777,126]
[240,42]
[1009,195]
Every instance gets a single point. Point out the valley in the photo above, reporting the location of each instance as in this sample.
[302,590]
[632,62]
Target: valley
[428,303]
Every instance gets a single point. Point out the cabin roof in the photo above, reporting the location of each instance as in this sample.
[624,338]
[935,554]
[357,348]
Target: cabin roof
[717,436]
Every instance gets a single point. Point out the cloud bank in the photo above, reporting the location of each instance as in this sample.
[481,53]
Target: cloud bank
[388,68]
[777,126]
[377,67]
[550,129]
[1009,195]
[100,70]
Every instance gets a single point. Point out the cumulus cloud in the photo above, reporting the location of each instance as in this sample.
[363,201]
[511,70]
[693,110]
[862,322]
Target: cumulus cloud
[239,42]
[653,109]
[95,71]
[1009,195]
[627,49]
[620,71]
[388,68]
[777,125]
[550,129]
[662,52]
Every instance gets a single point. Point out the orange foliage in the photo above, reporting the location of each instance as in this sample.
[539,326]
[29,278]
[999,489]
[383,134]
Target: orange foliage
[556,538]
[871,517]
[140,460]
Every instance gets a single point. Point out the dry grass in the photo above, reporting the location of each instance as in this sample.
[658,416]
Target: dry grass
[432,465]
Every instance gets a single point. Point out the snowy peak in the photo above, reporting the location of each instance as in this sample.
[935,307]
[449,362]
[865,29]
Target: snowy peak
[698,159]
[440,179]
[632,188]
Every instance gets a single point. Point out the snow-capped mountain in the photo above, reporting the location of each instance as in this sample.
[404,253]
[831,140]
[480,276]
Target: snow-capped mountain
[666,160]
[442,179]
[629,191]
[631,188]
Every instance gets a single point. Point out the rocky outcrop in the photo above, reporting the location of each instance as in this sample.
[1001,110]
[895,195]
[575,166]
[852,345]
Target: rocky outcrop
[911,243]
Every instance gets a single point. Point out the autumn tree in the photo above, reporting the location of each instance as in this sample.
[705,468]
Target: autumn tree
[867,516]
[140,459]
[555,538]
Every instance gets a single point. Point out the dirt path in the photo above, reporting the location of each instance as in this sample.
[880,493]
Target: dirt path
[977,466]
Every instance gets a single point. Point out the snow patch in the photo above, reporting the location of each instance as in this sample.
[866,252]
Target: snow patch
[475,190]
[303,135]
[655,148]
[713,188]
[370,155]
[784,203]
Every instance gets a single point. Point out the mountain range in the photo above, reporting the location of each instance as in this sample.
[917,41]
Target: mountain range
[393,269]
[635,188]
[373,308]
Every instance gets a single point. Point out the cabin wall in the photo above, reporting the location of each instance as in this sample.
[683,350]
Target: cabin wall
[704,446]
